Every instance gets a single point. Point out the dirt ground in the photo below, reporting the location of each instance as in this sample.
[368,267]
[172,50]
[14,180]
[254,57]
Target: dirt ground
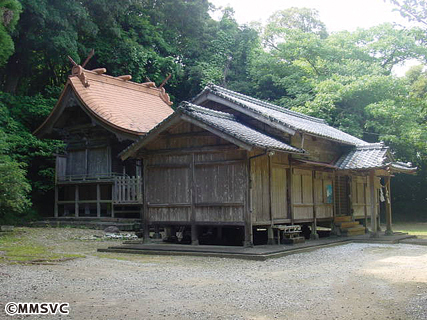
[352,281]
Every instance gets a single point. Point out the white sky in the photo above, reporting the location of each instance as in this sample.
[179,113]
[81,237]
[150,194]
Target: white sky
[336,14]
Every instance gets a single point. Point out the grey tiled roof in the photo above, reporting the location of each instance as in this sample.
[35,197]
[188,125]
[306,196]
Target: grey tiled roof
[293,120]
[402,167]
[373,155]
[229,125]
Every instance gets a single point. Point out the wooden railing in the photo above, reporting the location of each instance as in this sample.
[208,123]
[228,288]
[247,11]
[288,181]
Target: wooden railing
[127,190]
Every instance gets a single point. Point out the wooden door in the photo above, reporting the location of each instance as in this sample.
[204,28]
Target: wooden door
[279,203]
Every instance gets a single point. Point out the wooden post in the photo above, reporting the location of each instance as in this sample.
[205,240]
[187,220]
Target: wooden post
[55,207]
[98,199]
[374,227]
[389,231]
[248,241]
[351,196]
[270,240]
[194,233]
[314,235]
[145,220]
[365,186]
[157,234]
[289,189]
[76,203]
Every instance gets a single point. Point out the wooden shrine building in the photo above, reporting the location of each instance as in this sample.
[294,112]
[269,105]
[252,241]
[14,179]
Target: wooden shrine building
[227,160]
[97,116]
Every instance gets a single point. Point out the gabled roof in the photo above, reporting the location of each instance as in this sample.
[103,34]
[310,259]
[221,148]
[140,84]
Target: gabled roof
[372,156]
[129,107]
[291,121]
[228,123]
[219,123]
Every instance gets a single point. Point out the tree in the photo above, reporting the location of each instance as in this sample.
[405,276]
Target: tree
[14,187]
[286,22]
[413,10]
[9,15]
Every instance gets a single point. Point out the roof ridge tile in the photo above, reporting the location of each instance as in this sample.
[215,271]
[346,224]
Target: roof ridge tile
[266,104]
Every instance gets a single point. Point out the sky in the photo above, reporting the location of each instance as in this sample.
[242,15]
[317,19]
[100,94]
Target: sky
[338,15]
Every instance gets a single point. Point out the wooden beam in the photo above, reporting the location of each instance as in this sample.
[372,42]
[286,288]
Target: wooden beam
[213,148]
[168,165]
[374,226]
[218,163]
[186,134]
[168,205]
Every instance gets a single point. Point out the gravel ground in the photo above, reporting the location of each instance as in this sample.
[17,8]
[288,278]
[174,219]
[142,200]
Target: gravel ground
[352,281]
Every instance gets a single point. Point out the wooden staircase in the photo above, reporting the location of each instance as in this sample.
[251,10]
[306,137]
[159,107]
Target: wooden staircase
[346,227]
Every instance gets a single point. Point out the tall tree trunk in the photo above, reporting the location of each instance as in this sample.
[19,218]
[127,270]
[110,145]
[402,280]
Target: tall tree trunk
[13,75]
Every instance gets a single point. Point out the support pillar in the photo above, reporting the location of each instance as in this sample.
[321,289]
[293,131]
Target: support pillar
[248,237]
[389,231]
[314,235]
[76,202]
[194,230]
[55,208]
[145,214]
[194,235]
[98,201]
[219,234]
[157,234]
[270,233]
[374,221]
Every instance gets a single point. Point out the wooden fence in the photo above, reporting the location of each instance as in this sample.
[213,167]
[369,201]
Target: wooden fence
[127,190]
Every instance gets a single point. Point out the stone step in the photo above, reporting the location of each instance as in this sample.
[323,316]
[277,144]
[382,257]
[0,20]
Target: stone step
[354,231]
[343,219]
[348,224]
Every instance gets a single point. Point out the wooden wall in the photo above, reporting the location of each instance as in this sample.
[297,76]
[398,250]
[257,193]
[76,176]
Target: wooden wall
[320,150]
[208,187]
[312,194]
[361,195]
[269,188]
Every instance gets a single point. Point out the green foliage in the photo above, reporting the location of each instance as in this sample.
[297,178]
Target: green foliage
[14,187]
[413,10]
[9,15]
[28,161]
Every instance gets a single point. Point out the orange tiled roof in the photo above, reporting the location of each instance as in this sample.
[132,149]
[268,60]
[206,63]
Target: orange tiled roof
[131,107]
